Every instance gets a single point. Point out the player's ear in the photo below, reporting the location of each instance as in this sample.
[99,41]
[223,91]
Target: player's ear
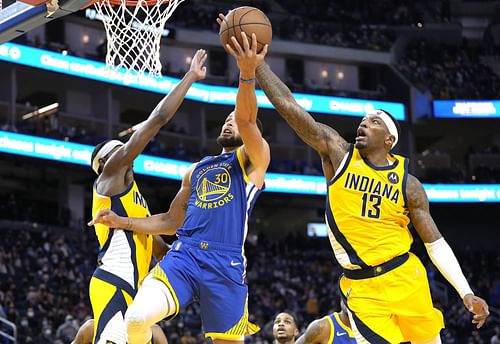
[389,140]
[101,164]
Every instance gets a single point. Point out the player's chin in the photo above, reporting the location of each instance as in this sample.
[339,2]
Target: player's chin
[360,145]
[282,336]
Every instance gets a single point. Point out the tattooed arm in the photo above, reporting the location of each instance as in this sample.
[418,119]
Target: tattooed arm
[325,140]
[440,252]
[418,205]
[317,332]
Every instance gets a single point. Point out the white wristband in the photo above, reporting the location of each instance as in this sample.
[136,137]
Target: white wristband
[444,259]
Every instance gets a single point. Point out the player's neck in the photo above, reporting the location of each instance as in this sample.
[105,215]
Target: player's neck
[377,158]
[345,319]
[229,149]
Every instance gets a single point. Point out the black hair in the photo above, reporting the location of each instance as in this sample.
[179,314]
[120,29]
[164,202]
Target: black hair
[292,314]
[96,150]
[396,123]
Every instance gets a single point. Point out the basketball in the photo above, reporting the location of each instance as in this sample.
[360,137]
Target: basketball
[249,20]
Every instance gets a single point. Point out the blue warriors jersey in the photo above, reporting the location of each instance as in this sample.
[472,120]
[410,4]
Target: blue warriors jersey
[222,198]
[339,332]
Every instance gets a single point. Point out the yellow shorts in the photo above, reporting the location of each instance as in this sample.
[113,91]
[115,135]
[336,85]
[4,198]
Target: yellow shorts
[393,307]
[109,304]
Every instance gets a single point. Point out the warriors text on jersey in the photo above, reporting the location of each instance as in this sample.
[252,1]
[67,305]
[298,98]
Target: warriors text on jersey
[221,200]
[366,211]
[207,263]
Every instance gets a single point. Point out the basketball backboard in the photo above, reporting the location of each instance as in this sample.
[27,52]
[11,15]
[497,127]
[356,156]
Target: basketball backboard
[17,18]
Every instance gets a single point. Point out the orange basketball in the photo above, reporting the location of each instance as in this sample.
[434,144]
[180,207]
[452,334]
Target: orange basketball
[249,20]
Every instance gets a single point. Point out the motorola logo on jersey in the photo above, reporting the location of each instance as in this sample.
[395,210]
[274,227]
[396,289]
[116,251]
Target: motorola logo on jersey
[213,185]
[393,177]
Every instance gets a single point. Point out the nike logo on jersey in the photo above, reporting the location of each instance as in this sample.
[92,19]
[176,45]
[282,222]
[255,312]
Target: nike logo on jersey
[340,333]
[233,263]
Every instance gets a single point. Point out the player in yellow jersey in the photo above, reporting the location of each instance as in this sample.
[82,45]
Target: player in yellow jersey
[125,256]
[371,200]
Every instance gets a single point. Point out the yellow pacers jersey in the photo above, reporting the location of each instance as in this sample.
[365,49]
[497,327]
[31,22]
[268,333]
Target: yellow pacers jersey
[123,253]
[366,211]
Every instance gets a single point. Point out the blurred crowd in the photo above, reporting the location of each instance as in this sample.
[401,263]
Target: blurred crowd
[345,23]
[449,72]
[479,166]
[44,280]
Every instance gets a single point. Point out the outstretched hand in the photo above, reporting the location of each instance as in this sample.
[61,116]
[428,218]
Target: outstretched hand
[197,67]
[478,307]
[108,218]
[246,57]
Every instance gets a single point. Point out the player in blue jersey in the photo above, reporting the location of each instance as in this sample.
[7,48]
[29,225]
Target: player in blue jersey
[333,328]
[210,217]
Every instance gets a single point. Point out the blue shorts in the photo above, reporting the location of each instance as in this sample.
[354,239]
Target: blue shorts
[213,274]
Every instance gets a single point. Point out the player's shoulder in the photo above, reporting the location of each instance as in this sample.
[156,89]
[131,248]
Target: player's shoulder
[319,328]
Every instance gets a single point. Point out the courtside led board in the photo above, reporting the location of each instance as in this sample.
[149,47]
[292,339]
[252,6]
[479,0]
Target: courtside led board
[75,153]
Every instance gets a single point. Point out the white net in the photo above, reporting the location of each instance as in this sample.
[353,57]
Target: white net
[134,30]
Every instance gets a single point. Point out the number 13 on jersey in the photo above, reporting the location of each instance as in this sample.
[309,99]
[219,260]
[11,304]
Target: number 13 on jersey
[371,205]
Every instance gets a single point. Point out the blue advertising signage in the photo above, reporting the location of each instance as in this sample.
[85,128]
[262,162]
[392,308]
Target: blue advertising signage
[94,70]
[75,153]
[466,108]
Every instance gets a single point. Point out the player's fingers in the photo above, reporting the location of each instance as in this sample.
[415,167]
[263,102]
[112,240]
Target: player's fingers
[221,17]
[231,51]
[479,323]
[203,58]
[91,223]
[263,53]
[236,45]
[254,43]
[246,44]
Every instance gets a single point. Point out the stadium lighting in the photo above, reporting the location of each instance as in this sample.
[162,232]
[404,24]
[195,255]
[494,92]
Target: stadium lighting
[42,112]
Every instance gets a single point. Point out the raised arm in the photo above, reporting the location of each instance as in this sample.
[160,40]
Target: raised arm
[164,223]
[255,147]
[322,138]
[317,332]
[161,114]
[439,251]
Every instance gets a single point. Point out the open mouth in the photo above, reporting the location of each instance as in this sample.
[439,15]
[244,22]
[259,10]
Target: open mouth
[360,134]
[227,132]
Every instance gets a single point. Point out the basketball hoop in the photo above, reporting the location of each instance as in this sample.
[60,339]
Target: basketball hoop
[133,30]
